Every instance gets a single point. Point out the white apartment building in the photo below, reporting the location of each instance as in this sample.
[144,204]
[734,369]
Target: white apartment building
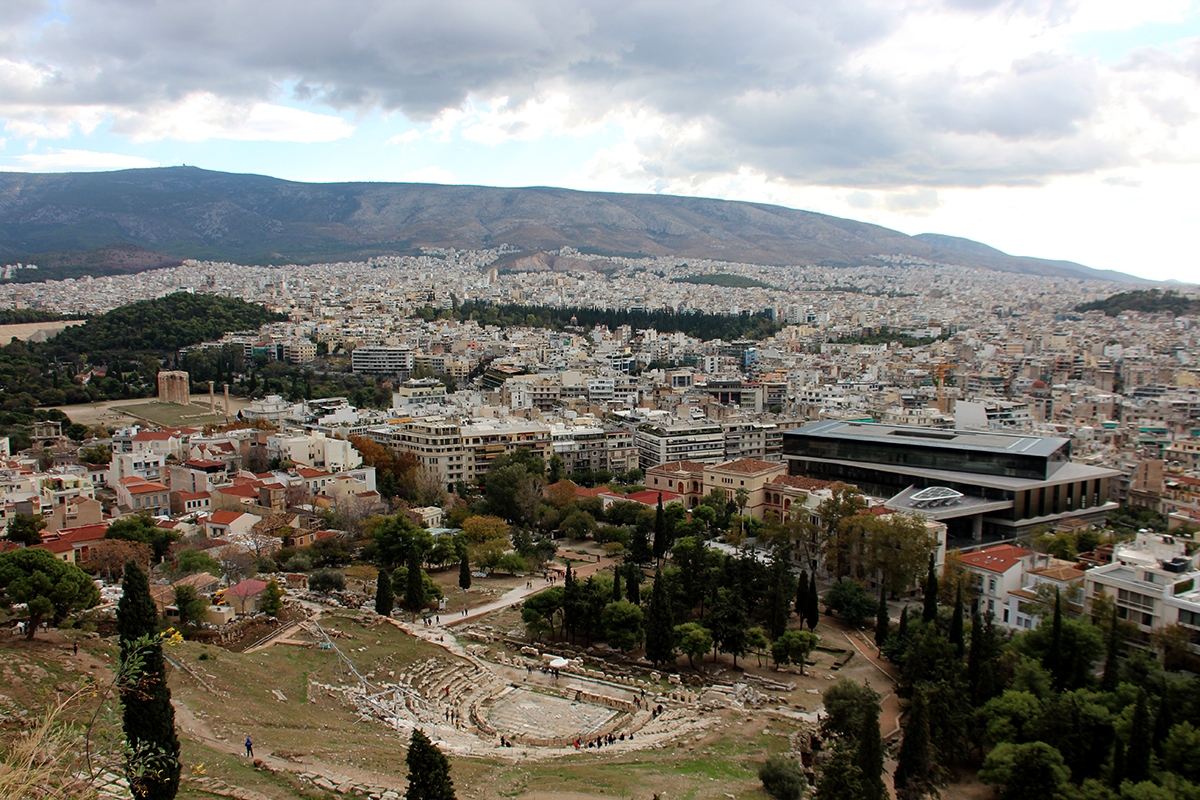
[684,441]
[378,360]
[1154,583]
[313,450]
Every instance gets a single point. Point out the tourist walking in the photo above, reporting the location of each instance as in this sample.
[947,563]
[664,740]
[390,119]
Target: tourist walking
[249,748]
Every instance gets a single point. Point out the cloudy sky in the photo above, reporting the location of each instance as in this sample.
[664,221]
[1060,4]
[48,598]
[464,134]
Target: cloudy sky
[1053,128]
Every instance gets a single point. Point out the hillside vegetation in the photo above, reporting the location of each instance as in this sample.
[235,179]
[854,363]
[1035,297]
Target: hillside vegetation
[724,279]
[1148,301]
[130,344]
[758,325]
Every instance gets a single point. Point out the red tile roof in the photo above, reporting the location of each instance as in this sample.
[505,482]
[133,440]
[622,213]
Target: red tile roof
[309,472]
[146,487]
[680,466]
[1000,558]
[153,436]
[800,482]
[649,497]
[224,517]
[748,465]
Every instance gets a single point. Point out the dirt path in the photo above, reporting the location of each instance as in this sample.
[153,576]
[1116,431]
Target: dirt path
[514,596]
[199,730]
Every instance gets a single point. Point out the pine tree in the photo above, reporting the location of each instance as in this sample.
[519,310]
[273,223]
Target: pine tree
[384,599]
[802,595]
[428,770]
[272,601]
[1137,759]
[882,623]
[1112,666]
[956,625]
[931,592]
[148,717]
[868,756]
[616,588]
[414,594]
[812,614]
[660,625]
[632,580]
[464,574]
[915,765]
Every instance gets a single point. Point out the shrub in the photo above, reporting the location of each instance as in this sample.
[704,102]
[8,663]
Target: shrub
[851,601]
[783,778]
[326,581]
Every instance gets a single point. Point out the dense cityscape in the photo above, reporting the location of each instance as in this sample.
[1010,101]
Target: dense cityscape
[472,391]
[589,400]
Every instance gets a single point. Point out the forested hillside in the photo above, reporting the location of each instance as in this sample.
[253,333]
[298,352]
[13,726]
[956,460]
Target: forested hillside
[1147,301]
[118,354]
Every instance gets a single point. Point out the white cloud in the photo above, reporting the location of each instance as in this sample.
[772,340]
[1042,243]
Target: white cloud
[408,137]
[204,115]
[76,160]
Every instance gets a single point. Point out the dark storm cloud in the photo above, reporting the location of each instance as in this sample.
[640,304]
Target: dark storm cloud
[773,85]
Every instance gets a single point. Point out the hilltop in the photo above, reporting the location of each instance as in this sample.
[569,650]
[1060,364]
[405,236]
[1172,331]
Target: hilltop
[1147,301]
[154,217]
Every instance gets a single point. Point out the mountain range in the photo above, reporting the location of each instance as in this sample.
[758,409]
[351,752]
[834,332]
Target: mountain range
[71,224]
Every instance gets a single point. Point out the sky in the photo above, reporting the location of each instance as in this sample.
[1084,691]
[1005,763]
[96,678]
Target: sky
[1048,128]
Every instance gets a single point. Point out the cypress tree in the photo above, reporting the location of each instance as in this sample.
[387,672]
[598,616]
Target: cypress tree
[1164,719]
[975,656]
[639,547]
[802,595]
[1137,759]
[384,598]
[840,779]
[1112,664]
[1055,662]
[660,625]
[868,756]
[660,531]
[414,595]
[632,593]
[813,613]
[572,603]
[148,717]
[1117,776]
[781,574]
[914,765]
[616,590]
[956,626]
[931,592]
[882,623]
[428,770]
[902,625]
[464,574]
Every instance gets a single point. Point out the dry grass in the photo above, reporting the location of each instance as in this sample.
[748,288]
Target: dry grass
[42,762]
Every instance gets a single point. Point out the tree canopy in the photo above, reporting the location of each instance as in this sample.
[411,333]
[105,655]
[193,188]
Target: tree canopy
[50,588]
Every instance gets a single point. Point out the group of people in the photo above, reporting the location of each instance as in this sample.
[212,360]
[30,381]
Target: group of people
[603,740]
[551,671]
